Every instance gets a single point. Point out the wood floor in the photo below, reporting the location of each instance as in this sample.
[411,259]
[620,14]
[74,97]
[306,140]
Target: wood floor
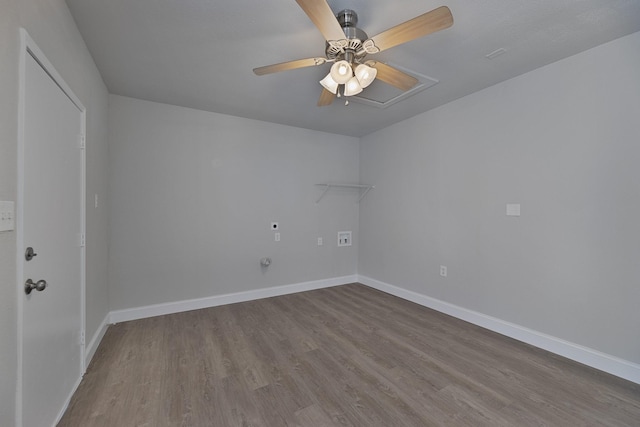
[342,356]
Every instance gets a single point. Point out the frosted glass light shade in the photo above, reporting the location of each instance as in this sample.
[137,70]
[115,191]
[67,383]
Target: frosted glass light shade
[329,84]
[341,72]
[352,87]
[365,75]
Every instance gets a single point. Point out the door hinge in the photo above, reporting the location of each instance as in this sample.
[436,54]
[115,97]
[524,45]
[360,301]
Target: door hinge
[82,142]
[82,241]
[81,338]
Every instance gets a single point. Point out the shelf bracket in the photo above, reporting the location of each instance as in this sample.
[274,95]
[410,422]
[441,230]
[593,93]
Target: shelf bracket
[326,188]
[364,193]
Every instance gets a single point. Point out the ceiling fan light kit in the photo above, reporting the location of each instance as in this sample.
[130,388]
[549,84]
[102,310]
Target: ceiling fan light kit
[341,72]
[365,74]
[329,84]
[347,46]
[352,87]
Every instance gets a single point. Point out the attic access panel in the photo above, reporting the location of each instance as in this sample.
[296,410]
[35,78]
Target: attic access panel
[382,95]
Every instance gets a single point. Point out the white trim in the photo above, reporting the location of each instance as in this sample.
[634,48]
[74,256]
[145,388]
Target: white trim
[83,232]
[18,214]
[213,301]
[587,356]
[90,349]
[29,47]
[37,54]
[66,402]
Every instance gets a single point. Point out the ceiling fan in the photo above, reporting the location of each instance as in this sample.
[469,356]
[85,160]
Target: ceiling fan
[347,47]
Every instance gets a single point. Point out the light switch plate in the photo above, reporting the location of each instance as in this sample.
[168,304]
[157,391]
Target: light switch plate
[513,209]
[7,216]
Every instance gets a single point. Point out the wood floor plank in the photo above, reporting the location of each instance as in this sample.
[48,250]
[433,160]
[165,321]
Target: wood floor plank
[342,356]
[313,415]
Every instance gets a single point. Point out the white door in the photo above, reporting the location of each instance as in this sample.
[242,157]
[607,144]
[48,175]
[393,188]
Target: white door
[52,220]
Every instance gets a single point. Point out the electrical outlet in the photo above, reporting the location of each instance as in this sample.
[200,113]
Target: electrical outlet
[344,238]
[277,236]
[443,270]
[319,241]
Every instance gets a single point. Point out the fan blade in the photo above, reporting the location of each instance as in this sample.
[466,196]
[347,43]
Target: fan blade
[430,22]
[291,65]
[323,17]
[326,98]
[393,76]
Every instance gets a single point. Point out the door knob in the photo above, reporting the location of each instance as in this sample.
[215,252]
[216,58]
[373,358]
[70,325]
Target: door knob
[39,286]
[29,254]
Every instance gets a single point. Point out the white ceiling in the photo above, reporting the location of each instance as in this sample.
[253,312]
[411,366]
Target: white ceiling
[201,53]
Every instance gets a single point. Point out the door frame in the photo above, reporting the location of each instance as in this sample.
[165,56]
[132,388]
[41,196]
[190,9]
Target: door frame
[29,47]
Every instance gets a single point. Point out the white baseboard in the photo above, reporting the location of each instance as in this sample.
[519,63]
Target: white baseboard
[89,351]
[587,356]
[213,301]
[92,346]
[67,401]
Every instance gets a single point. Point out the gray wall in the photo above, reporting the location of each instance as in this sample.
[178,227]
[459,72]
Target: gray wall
[193,195]
[51,26]
[563,141]
[8,160]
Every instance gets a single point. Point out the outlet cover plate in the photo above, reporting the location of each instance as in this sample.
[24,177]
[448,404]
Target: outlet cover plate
[443,270]
[344,238]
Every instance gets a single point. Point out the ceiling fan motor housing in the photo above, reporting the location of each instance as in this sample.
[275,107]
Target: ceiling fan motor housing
[351,47]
